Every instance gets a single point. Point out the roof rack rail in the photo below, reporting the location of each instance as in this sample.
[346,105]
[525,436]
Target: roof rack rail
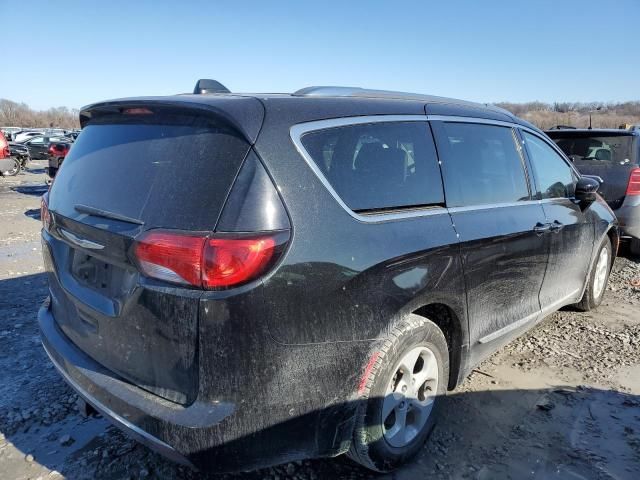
[335,91]
[207,85]
[357,92]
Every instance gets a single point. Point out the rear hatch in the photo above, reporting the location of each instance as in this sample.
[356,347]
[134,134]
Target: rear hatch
[610,155]
[131,170]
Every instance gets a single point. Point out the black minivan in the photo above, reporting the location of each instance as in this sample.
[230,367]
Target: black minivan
[244,280]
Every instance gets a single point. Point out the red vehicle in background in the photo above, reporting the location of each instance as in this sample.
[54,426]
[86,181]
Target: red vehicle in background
[57,152]
[8,165]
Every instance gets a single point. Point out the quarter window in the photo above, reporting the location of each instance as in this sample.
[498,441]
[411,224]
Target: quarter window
[482,165]
[377,166]
[555,179]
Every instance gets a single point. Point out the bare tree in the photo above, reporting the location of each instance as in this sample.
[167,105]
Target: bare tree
[576,114]
[13,114]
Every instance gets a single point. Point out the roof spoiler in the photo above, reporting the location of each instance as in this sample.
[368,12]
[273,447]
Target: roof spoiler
[207,85]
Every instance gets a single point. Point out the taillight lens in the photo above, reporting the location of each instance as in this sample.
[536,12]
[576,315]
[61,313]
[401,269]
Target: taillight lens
[45,216]
[199,261]
[233,261]
[171,257]
[633,187]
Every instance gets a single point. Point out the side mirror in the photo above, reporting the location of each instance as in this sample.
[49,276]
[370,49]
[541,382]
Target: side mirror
[586,190]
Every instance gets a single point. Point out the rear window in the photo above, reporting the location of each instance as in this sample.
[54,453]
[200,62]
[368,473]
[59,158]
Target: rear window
[608,149]
[163,170]
[379,166]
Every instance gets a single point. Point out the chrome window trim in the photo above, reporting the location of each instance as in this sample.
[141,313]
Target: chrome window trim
[490,206]
[297,131]
[458,119]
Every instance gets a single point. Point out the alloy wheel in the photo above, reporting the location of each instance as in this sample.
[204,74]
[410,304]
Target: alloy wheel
[410,396]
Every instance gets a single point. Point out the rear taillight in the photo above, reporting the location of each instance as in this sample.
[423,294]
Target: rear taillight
[228,261]
[206,262]
[633,187]
[45,216]
[171,257]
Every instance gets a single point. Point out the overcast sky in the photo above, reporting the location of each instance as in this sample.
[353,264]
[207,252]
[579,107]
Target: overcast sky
[64,53]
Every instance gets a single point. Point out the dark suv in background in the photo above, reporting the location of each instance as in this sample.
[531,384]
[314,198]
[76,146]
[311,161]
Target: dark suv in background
[614,156]
[244,280]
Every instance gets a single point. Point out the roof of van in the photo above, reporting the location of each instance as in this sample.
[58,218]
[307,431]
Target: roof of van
[316,103]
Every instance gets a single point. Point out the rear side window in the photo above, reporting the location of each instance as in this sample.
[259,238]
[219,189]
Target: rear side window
[482,165]
[378,166]
[555,179]
[166,170]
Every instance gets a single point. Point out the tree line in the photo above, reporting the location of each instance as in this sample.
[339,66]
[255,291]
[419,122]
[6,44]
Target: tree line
[14,114]
[576,114]
[543,115]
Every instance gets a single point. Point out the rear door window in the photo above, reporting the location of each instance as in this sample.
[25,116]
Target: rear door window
[163,170]
[554,177]
[378,166]
[482,164]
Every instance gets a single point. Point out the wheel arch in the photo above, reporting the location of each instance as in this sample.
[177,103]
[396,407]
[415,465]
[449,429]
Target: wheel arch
[452,327]
[614,237]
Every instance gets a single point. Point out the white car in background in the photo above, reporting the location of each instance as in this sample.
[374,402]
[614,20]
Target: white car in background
[24,136]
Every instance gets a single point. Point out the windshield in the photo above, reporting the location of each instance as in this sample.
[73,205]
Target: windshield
[615,148]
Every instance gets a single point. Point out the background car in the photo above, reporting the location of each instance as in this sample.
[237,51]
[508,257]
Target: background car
[4,146]
[39,145]
[614,156]
[9,132]
[57,152]
[25,135]
[20,152]
[9,166]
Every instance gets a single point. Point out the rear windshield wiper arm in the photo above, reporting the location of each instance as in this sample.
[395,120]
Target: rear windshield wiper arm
[97,212]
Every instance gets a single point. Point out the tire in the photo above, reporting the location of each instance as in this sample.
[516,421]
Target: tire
[374,444]
[14,171]
[634,246]
[594,292]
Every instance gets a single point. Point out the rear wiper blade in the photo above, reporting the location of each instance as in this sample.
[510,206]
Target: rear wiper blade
[97,212]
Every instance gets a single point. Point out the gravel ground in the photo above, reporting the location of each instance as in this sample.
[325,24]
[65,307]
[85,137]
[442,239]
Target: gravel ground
[563,401]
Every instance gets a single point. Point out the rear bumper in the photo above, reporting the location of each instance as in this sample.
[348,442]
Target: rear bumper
[122,423]
[133,410]
[629,217]
[253,432]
